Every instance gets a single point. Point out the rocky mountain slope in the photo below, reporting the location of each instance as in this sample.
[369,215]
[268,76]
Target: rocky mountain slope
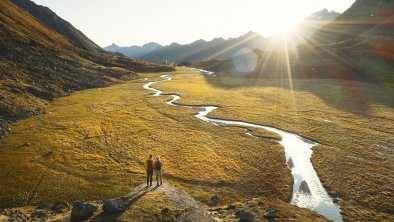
[164,203]
[37,64]
[361,18]
[311,24]
[49,18]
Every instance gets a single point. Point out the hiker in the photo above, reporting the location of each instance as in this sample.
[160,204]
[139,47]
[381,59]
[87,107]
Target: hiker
[149,171]
[158,172]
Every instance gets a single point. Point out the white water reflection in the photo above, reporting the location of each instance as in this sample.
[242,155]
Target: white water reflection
[309,194]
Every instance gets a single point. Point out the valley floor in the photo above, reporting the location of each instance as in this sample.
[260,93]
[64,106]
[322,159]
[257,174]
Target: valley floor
[92,145]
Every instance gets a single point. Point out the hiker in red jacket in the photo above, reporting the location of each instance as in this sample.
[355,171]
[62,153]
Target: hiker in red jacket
[149,171]
[158,172]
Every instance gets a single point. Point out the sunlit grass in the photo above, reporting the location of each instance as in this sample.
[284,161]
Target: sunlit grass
[95,142]
[92,144]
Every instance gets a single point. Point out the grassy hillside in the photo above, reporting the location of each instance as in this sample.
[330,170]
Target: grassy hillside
[38,64]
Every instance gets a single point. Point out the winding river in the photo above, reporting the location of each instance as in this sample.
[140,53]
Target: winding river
[308,191]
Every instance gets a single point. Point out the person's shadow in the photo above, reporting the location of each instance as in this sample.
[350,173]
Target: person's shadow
[129,199]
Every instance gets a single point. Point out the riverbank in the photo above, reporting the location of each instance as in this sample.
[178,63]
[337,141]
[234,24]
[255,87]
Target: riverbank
[308,192]
[353,146]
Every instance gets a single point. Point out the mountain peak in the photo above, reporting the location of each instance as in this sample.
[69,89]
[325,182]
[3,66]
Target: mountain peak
[324,15]
[151,44]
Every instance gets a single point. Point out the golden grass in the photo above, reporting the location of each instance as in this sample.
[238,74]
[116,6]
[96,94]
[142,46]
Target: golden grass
[92,145]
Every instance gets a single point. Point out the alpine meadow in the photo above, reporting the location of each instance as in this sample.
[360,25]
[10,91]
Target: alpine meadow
[215,111]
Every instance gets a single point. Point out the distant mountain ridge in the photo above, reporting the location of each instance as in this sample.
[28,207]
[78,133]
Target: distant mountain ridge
[219,48]
[52,20]
[134,51]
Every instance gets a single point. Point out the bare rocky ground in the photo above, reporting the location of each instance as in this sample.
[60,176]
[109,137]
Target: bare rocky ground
[165,203]
[156,203]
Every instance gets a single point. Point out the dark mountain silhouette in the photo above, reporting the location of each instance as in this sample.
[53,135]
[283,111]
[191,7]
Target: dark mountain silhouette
[302,32]
[313,23]
[365,18]
[48,17]
[365,54]
[220,48]
[38,64]
[360,46]
[134,51]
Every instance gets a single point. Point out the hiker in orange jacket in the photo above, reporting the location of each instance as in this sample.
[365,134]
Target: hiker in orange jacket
[158,170]
[149,171]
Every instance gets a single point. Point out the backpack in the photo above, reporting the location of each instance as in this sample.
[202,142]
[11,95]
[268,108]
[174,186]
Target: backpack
[158,165]
[149,165]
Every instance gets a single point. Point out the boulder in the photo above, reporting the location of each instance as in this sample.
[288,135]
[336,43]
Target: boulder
[305,188]
[82,211]
[39,214]
[214,200]
[43,206]
[167,215]
[60,207]
[290,163]
[245,216]
[17,215]
[271,215]
[114,206]
[231,207]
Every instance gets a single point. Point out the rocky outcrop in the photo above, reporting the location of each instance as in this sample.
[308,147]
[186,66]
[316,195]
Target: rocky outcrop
[164,203]
[305,188]
[82,211]
[60,207]
[114,206]
[214,201]
[271,215]
[259,209]
[245,216]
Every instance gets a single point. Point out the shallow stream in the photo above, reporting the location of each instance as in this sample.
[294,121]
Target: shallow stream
[308,191]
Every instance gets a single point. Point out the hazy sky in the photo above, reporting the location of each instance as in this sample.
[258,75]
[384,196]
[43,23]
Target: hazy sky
[135,22]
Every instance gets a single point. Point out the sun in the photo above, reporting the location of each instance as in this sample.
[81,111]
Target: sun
[282,26]
[279,20]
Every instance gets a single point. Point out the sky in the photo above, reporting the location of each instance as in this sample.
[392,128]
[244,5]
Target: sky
[136,22]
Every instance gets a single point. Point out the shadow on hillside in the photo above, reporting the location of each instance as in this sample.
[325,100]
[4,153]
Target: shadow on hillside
[130,200]
[349,95]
